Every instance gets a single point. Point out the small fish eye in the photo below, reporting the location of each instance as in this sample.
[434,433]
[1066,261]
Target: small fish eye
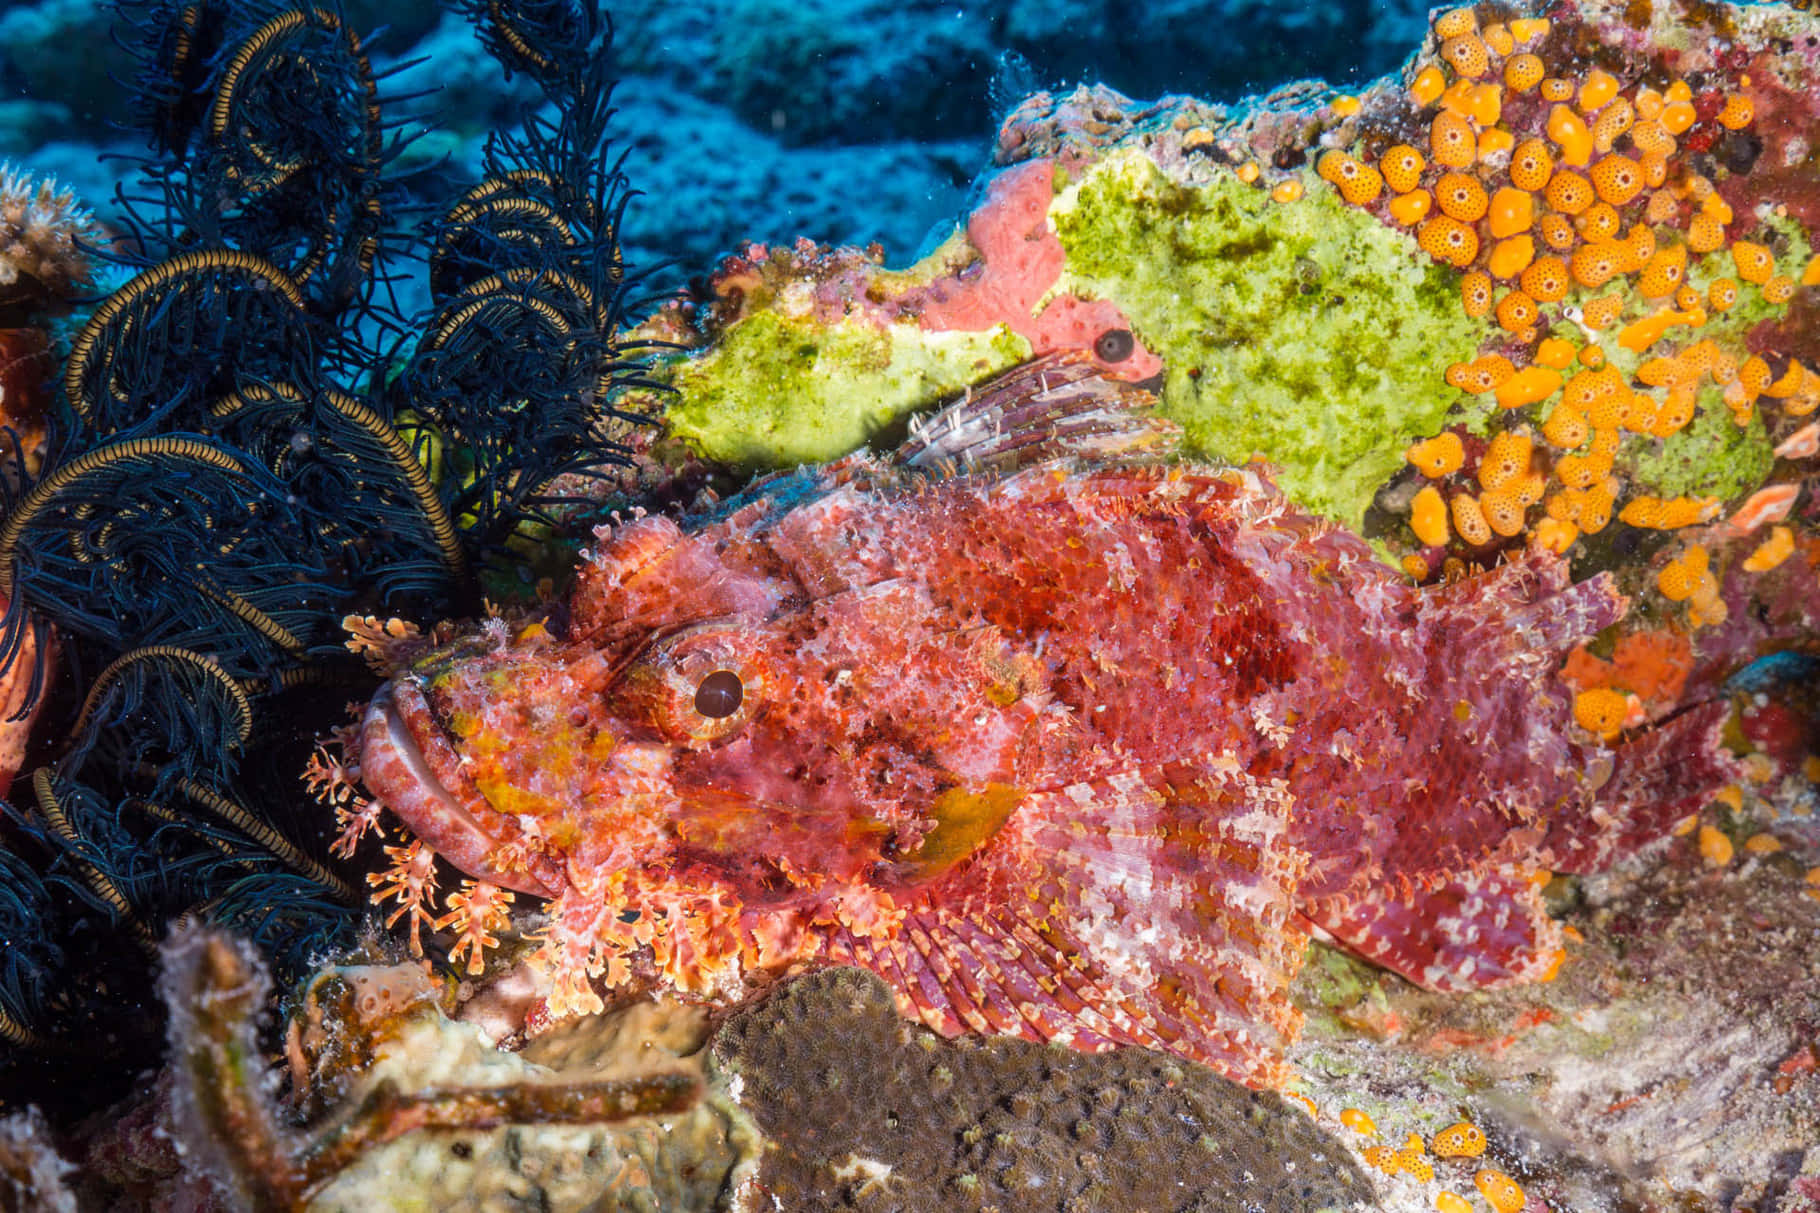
[719,695]
[1114,345]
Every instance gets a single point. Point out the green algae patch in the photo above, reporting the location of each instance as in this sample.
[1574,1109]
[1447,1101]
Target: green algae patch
[775,392]
[1306,332]
[1713,457]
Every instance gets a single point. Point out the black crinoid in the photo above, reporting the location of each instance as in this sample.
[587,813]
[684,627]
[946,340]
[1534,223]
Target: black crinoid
[254,443]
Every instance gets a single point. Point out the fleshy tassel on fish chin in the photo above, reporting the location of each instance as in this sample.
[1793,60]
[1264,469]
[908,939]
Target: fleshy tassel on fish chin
[691,938]
[1152,908]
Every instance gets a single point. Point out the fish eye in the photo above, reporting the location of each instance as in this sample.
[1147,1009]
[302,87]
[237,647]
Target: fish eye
[719,694]
[1114,345]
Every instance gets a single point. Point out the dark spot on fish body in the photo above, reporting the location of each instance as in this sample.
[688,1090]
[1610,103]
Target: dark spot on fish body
[1114,345]
[1738,151]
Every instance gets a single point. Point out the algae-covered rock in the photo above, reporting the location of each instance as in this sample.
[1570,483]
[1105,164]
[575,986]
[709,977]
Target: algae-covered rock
[684,1161]
[778,390]
[1306,333]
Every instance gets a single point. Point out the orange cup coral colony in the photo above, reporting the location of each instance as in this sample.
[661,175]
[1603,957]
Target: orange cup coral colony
[1596,242]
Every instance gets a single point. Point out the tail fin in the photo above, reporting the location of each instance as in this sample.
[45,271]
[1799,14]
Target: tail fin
[1479,929]
[1651,783]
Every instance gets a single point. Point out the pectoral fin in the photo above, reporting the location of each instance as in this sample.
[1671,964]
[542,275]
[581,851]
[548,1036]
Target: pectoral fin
[1152,908]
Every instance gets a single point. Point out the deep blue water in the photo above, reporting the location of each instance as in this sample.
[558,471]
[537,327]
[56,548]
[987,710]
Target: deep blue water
[846,121]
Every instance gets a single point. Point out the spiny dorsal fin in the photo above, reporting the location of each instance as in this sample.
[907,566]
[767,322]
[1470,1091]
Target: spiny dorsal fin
[1054,406]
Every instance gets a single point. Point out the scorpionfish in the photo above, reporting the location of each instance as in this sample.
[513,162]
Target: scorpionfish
[1061,735]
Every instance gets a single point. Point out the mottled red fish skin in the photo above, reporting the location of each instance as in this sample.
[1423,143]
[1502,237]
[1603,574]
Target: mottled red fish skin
[1081,752]
[1190,614]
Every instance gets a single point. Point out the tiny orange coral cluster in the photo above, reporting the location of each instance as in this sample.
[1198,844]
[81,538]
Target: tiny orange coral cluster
[1463,1140]
[1561,198]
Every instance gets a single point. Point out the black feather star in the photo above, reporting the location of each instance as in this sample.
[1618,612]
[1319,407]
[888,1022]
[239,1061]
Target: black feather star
[253,443]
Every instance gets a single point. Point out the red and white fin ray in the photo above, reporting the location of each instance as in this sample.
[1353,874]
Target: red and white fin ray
[1472,931]
[1049,407]
[1153,908]
[1654,781]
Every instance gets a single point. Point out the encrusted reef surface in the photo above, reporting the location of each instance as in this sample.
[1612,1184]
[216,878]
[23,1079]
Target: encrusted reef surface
[1670,1065]
[1551,286]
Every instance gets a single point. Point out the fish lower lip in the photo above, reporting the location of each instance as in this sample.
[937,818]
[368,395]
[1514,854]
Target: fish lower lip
[432,797]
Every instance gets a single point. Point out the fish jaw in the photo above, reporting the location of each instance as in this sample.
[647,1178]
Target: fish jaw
[408,765]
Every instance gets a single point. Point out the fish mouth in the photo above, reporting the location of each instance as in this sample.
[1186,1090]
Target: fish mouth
[408,764]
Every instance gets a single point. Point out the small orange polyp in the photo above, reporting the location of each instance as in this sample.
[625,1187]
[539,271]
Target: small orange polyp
[1427,86]
[1512,211]
[1461,1140]
[1639,335]
[1599,87]
[1603,711]
[1495,144]
[1527,386]
[1772,551]
[1511,257]
[1524,72]
[1556,353]
[1677,116]
[1441,455]
[1411,208]
[1569,132]
[1485,104]
[1428,517]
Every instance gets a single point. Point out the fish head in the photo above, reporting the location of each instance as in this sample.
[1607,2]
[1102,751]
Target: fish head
[783,746]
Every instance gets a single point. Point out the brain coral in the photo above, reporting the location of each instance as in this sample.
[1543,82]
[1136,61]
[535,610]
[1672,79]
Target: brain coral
[865,1111]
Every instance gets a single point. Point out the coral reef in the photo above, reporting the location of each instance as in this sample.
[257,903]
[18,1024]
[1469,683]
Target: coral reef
[421,1071]
[33,1174]
[1671,1064]
[861,1110]
[41,227]
[1525,334]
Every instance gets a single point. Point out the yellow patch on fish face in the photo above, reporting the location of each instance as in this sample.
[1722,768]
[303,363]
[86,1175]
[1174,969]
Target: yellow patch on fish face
[964,820]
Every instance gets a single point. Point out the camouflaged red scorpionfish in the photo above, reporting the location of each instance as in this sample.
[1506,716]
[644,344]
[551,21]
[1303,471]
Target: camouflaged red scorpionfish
[1063,737]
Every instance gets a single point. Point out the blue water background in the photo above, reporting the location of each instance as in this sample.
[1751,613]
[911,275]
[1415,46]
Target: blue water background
[845,121]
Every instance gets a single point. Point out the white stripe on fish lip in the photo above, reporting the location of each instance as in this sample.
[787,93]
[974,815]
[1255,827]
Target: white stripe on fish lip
[429,791]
